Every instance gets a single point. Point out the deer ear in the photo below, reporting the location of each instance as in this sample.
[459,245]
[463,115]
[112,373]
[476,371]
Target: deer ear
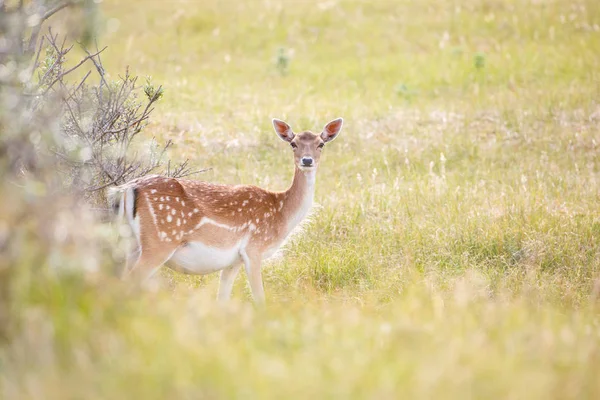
[332,129]
[283,130]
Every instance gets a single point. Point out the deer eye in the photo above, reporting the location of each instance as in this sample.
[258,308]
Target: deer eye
[320,146]
[294,145]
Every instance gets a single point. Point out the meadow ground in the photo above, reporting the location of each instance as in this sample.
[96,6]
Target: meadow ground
[455,250]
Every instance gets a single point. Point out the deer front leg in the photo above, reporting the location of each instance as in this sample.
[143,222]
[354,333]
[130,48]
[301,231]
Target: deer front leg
[228,276]
[252,263]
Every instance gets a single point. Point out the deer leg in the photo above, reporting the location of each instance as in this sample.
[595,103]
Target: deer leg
[228,276]
[132,257]
[252,263]
[147,264]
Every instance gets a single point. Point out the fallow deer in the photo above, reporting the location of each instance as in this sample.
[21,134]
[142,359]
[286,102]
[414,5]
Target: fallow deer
[200,227]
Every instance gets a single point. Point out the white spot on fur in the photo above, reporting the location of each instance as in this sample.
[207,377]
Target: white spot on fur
[162,198]
[153,191]
[178,222]
[173,211]
[169,219]
[160,206]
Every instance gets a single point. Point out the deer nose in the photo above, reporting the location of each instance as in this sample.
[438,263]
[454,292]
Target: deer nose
[307,161]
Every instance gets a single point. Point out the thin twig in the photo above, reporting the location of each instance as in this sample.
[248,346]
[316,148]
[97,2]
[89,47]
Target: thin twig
[56,9]
[191,172]
[36,31]
[63,74]
[37,57]
[78,86]
[97,64]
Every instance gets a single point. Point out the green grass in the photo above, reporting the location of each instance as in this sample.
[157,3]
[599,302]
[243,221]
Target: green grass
[455,252]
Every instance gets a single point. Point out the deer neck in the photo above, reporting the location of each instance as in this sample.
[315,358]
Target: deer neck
[298,199]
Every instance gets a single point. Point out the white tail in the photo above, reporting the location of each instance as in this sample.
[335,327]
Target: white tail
[200,227]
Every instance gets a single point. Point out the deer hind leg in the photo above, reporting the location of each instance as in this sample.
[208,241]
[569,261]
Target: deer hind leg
[151,256]
[144,258]
[154,248]
[228,276]
[135,250]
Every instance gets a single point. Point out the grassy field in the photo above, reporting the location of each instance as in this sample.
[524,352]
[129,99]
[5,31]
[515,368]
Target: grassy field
[455,251]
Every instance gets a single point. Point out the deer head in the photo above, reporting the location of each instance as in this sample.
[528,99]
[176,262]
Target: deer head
[307,146]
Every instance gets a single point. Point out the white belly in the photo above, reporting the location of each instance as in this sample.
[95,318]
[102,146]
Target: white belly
[197,258]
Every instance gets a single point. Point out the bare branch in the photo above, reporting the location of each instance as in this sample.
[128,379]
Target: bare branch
[47,14]
[78,86]
[56,9]
[67,72]
[99,123]
[34,66]
[97,64]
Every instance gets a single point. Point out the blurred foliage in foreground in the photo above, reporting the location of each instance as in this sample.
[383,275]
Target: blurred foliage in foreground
[64,140]
[456,253]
